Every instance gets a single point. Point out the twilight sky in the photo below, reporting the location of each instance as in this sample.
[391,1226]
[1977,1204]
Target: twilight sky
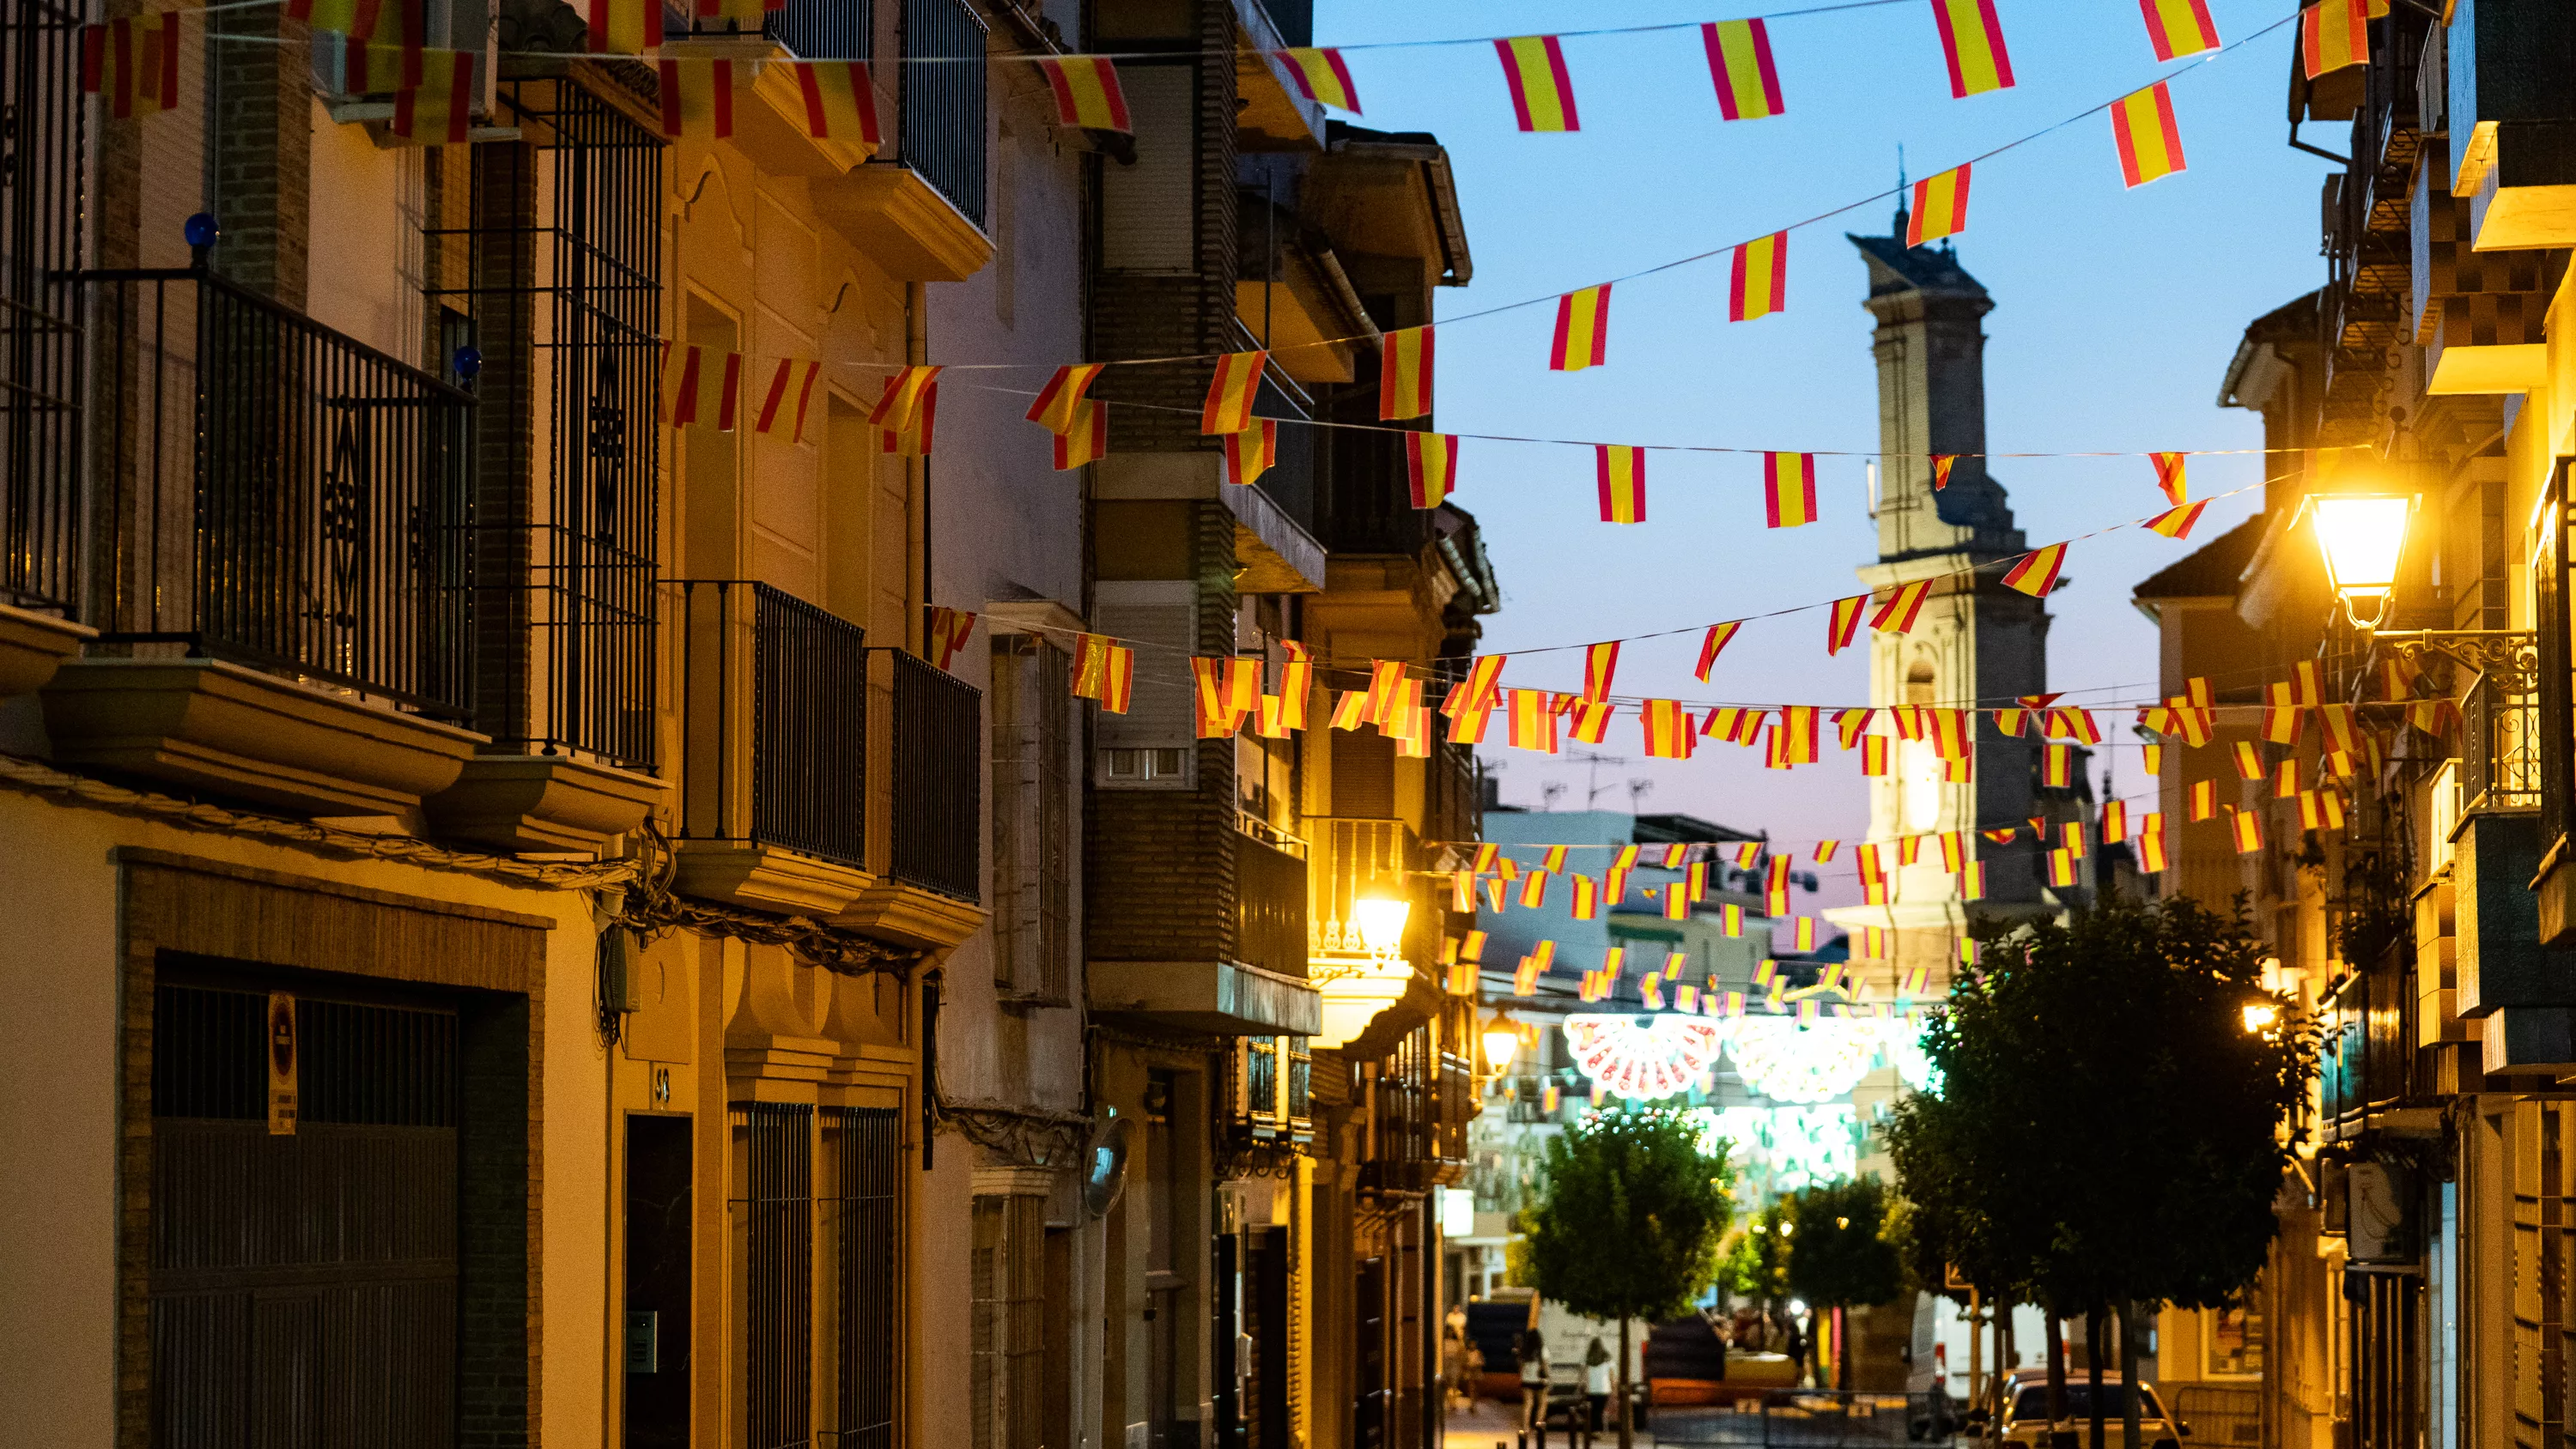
[2116,313]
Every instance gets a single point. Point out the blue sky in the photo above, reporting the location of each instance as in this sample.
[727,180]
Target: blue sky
[2116,313]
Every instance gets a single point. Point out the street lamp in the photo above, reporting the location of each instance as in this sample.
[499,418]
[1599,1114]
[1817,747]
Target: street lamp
[1381,924]
[2261,1017]
[1501,1040]
[2362,536]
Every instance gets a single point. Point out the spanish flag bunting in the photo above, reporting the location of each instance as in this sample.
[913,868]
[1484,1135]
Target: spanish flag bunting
[2171,476]
[1587,898]
[2308,676]
[1592,721]
[1736,725]
[1059,402]
[1675,854]
[1472,946]
[2061,868]
[396,64]
[1972,41]
[2153,757]
[1760,285]
[1431,463]
[1232,392]
[2142,126]
[1319,75]
[1802,933]
[1954,850]
[1621,472]
[2248,828]
[1873,756]
[1600,667]
[1908,720]
[1650,991]
[949,629]
[1086,92]
[1789,489]
[1494,895]
[1972,880]
[2115,821]
[1508,868]
[1800,723]
[440,110]
[1909,849]
[2432,716]
[1695,880]
[2343,734]
[1960,771]
[912,440]
[2010,721]
[2151,844]
[1942,463]
[2333,34]
[1582,330]
[2196,692]
[2001,834]
[1404,374]
[1487,853]
[685,377]
[1685,996]
[1710,645]
[1676,902]
[2057,766]
[1533,723]
[1739,62]
[1533,890]
[2281,721]
[1091,664]
[2340,763]
[840,102]
[2072,832]
[2285,781]
[625,27]
[1542,93]
[1480,689]
[2334,809]
[1525,981]
[1731,919]
[2204,800]
[355,19]
[1667,729]
[2177,522]
[793,376]
[1952,730]
[2075,724]
[1208,712]
[1385,690]
[2179,27]
[905,392]
[2036,572]
[2398,678]
[1915,980]
[1809,1011]
[1844,622]
[1350,711]
[1748,854]
[1467,727]
[1625,857]
[1266,722]
[1851,724]
[1118,679]
[1940,207]
[1087,441]
[133,63]
[1903,605]
[1775,877]
[1249,454]
[2249,760]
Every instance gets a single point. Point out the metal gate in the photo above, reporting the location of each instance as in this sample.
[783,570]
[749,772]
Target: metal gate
[303,1286]
[1807,1419]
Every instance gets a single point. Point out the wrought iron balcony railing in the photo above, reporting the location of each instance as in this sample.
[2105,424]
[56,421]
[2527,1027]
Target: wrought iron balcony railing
[2499,748]
[938,779]
[1269,906]
[826,29]
[942,111]
[42,213]
[277,494]
[794,773]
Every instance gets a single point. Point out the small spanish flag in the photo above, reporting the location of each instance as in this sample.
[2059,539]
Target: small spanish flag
[1087,441]
[1789,489]
[1542,93]
[1873,756]
[2333,34]
[1296,684]
[1850,725]
[1942,463]
[2179,27]
[1055,409]
[1677,902]
[1760,285]
[2036,572]
[2249,760]
[1319,75]
[2285,781]
[1972,882]
[1621,472]
[625,27]
[1710,644]
[2142,126]
[2061,868]
[1249,454]
[1798,732]
[1739,61]
[1972,41]
[2343,732]
[1844,622]
[2073,832]
[2057,766]
[1431,463]
[440,110]
[2204,800]
[1232,391]
[133,63]
[1600,667]
[840,101]
[2247,824]
[1587,898]
[1533,890]
[2153,758]
[1533,721]
[949,630]
[1903,606]
[1940,207]
[1592,721]
[1736,726]
[2334,809]
[2115,821]
[912,440]
[1086,92]
[1952,732]
[2172,476]
[1582,330]
[1479,690]
[1404,375]
[2177,522]
[1667,729]
[904,395]
[792,373]
[1731,919]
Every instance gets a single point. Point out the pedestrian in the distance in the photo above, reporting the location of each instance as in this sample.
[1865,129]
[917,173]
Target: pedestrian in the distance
[1475,1374]
[1596,1386]
[1533,1355]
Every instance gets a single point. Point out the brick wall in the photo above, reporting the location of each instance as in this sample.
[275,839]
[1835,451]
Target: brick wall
[264,152]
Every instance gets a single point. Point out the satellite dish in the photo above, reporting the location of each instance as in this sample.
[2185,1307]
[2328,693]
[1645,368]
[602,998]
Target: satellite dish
[1104,1167]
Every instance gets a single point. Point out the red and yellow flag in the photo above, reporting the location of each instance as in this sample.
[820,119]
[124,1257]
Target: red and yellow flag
[1951,732]
[690,375]
[2204,799]
[2036,572]
[697,99]
[1249,454]
[1667,728]
[1739,61]
[1710,645]
[133,63]
[2142,125]
[1940,207]
[840,101]
[1972,41]
[1844,622]
[1087,441]
[1972,883]
[1431,464]
[912,440]
[2285,781]
[2172,475]
[1542,93]
[1533,721]
[905,393]
[625,27]
[797,374]
[2151,843]
[440,110]
[2177,522]
[1735,725]
[1789,489]
[1901,608]
[1232,391]
[2057,766]
[2333,34]
[1404,375]
[1851,725]
[2179,27]
[1296,684]
[949,631]
[1600,667]
[2247,825]
[1319,75]
[1058,404]
[1086,92]
[2061,868]
[2249,760]
[1479,690]
[1621,472]
[1592,721]
[1942,463]
[1760,285]
[1582,330]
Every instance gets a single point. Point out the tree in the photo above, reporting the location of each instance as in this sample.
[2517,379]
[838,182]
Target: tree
[1628,1222]
[2105,1135]
[1840,1256]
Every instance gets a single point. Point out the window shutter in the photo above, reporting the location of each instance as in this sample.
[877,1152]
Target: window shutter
[1159,619]
[1149,210]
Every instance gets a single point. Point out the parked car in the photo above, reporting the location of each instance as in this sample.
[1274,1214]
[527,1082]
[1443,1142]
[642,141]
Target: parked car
[2026,1412]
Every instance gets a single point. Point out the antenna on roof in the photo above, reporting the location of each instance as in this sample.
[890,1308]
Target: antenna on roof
[1902,196]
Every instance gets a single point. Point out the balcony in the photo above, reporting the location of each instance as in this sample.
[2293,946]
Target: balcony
[919,209]
[1273,1089]
[2513,130]
[1253,985]
[1270,903]
[284,594]
[1370,1001]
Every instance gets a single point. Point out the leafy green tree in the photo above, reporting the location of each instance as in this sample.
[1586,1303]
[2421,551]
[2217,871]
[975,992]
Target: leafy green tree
[1840,1256]
[1756,1260]
[1628,1222]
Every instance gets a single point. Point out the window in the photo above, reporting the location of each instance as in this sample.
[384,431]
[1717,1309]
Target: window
[863,1155]
[774,1228]
[801,1220]
[1151,745]
[1009,1348]
[1033,814]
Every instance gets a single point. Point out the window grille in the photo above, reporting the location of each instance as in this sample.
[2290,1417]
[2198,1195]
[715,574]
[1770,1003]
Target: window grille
[1009,1325]
[774,1144]
[42,203]
[863,1152]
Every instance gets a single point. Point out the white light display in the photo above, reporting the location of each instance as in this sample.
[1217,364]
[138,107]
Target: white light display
[1790,1061]
[1647,1058]
[1785,1149]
